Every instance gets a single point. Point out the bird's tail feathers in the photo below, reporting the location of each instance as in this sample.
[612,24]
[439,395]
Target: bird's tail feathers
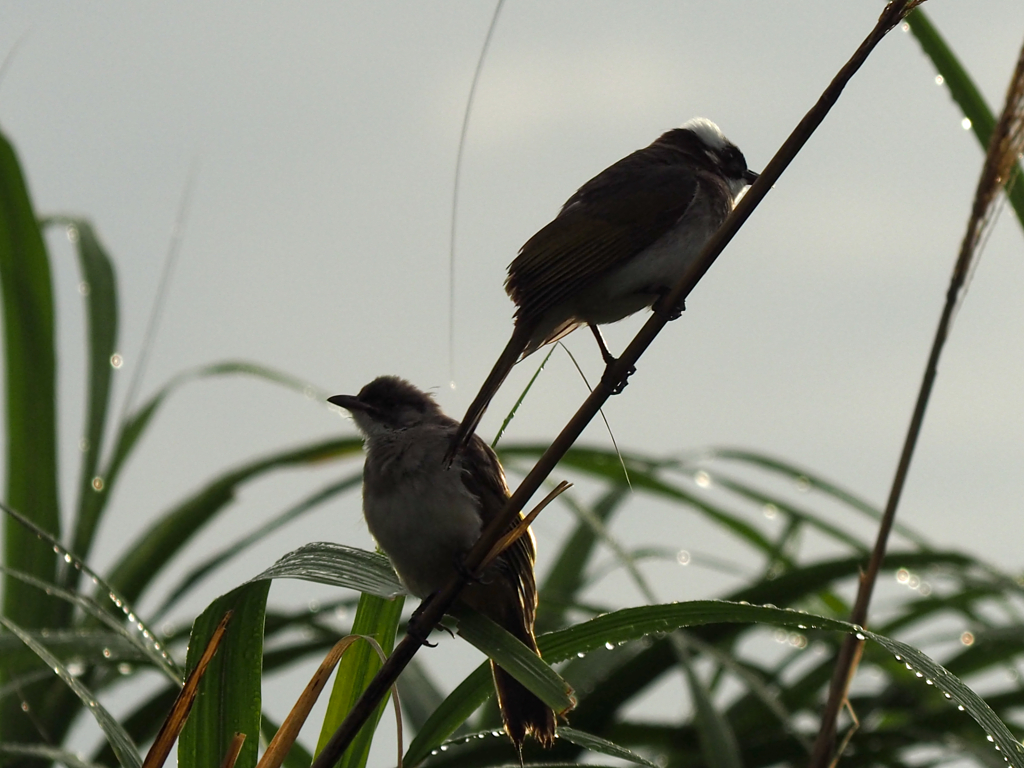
[509,356]
[522,712]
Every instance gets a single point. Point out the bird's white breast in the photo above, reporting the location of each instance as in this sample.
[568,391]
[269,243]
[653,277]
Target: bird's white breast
[636,284]
[420,514]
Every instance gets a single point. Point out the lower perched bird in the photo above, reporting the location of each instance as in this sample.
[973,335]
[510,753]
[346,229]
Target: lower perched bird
[620,243]
[426,519]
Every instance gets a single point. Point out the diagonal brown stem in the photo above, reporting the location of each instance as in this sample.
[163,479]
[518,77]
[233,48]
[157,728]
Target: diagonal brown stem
[615,375]
[1004,148]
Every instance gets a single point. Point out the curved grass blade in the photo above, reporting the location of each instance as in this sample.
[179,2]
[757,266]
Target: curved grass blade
[150,649]
[643,477]
[47,753]
[228,701]
[136,423]
[810,480]
[516,659]
[339,566]
[602,746]
[378,618]
[237,547]
[124,748]
[451,714]
[529,385]
[149,554]
[99,288]
[116,599]
[964,92]
[31,423]
[633,623]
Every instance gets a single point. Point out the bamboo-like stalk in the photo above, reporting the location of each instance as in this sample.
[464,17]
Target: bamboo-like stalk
[1000,164]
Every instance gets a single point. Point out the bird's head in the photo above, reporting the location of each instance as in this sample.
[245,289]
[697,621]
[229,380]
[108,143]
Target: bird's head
[386,404]
[721,153]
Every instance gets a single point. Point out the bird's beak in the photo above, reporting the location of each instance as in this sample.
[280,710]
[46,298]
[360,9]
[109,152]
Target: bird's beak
[750,176]
[348,402]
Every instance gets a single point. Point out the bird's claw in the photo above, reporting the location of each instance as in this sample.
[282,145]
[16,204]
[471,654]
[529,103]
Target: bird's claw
[618,383]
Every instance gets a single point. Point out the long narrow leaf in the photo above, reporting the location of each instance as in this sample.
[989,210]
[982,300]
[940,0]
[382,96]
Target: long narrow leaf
[124,748]
[228,701]
[378,618]
[516,659]
[451,714]
[235,548]
[964,92]
[339,566]
[99,287]
[146,557]
[31,422]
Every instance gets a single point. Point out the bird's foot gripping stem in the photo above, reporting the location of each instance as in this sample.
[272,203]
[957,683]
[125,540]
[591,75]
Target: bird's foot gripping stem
[616,382]
[416,628]
[671,312]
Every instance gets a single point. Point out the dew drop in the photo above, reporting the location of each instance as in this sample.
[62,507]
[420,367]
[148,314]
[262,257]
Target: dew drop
[97,483]
[902,575]
[960,707]
[967,638]
[75,668]
[433,752]
[71,232]
[859,636]
[939,79]
[683,557]
[990,738]
[124,668]
[116,361]
[580,654]
[106,653]
[83,445]
[495,733]
[702,479]
[803,483]
[313,606]
[905,27]
[84,288]
[24,706]
[966,123]
[610,646]
[67,557]
[770,511]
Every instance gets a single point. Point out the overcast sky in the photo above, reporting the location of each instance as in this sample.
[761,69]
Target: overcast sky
[324,137]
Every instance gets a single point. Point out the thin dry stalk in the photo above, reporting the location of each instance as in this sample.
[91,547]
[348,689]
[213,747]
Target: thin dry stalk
[509,538]
[1000,163]
[176,718]
[615,375]
[234,748]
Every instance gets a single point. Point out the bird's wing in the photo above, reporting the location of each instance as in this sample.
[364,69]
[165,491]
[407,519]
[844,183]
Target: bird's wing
[613,217]
[485,479]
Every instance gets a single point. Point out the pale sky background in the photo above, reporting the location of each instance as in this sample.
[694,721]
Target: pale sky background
[325,136]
